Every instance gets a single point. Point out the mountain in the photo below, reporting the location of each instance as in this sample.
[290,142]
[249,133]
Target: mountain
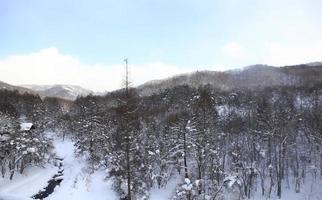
[314,64]
[6,86]
[69,92]
[252,77]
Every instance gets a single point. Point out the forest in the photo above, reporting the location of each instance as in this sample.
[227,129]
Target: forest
[220,144]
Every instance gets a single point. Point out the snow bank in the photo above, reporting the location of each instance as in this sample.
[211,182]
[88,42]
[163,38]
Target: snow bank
[26,184]
[12,197]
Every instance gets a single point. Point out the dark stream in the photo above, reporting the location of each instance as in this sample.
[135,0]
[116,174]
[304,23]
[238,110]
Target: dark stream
[52,183]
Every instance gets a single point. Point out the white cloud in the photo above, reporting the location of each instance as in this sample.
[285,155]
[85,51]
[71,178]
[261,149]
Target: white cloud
[49,66]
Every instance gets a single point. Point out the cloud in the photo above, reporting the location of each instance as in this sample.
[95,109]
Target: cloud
[49,66]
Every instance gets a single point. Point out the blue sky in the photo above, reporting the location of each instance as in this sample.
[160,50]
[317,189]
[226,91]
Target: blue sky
[179,35]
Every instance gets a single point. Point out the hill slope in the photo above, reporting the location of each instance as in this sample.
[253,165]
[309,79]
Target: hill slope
[69,92]
[6,86]
[252,77]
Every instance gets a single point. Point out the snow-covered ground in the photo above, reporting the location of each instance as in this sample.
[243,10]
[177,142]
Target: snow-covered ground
[311,190]
[28,184]
[165,193]
[77,183]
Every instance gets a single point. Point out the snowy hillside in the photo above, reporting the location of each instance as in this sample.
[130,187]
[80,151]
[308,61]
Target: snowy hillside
[6,86]
[69,92]
[252,77]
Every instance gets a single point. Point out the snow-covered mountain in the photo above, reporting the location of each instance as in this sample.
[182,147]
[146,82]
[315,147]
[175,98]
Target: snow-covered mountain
[6,86]
[313,64]
[69,92]
[255,76]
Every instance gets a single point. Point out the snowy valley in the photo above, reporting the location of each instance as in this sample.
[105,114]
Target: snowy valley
[160,100]
[202,136]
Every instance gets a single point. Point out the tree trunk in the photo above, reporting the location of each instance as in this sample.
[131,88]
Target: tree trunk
[279,172]
[22,167]
[321,165]
[12,168]
[185,155]
[128,168]
[297,174]
[3,169]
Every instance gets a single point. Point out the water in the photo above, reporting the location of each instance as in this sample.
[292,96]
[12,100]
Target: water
[52,183]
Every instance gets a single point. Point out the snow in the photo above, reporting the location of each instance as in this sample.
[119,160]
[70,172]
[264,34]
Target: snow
[167,191]
[231,180]
[188,186]
[31,150]
[12,197]
[4,138]
[25,126]
[27,184]
[311,190]
[78,183]
[222,110]
[59,178]
[314,64]
[69,92]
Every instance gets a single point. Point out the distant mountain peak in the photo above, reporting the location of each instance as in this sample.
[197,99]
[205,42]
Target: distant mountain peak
[69,92]
[6,86]
[314,64]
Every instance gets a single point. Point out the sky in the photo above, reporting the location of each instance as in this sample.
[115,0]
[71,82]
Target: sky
[84,42]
